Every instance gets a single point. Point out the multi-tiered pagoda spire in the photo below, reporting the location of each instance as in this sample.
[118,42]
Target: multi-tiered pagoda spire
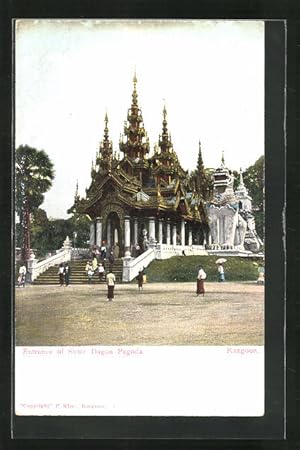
[105,154]
[165,143]
[135,145]
[166,164]
[200,176]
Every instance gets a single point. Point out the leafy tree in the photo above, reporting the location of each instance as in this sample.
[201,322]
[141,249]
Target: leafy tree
[49,235]
[81,226]
[34,175]
[254,180]
[236,179]
[41,233]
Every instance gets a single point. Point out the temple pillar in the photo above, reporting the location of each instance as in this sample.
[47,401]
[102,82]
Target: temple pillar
[99,231]
[152,229]
[160,231]
[135,231]
[168,232]
[92,234]
[190,236]
[127,235]
[108,237]
[116,235]
[174,235]
[182,232]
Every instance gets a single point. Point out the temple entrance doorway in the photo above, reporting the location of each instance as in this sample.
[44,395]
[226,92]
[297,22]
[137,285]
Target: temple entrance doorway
[114,233]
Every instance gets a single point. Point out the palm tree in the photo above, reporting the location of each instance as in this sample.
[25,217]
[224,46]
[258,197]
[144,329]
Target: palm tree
[34,175]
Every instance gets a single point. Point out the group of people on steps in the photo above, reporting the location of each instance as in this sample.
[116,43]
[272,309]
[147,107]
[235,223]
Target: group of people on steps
[64,273]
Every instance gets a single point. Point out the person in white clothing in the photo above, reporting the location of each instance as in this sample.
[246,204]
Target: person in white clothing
[101,272]
[110,280]
[22,275]
[221,273]
[200,282]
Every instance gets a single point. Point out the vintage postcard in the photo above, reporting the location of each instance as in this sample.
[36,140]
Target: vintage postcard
[140,199]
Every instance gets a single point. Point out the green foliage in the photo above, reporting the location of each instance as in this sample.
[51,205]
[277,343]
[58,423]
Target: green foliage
[49,235]
[254,181]
[81,225]
[185,268]
[34,175]
[236,179]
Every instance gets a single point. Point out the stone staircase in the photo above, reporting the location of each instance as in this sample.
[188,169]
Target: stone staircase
[78,274]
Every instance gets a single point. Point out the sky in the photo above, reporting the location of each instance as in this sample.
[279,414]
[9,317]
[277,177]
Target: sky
[68,73]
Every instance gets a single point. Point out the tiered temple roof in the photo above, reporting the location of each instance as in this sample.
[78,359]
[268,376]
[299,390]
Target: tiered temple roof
[154,184]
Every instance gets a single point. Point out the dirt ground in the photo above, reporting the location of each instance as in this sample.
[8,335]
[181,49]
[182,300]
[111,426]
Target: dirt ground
[161,314]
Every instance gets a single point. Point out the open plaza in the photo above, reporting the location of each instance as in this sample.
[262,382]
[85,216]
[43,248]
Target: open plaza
[230,313]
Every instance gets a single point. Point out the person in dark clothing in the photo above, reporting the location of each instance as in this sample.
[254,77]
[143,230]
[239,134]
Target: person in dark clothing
[67,274]
[61,274]
[103,251]
[140,279]
[111,260]
[200,282]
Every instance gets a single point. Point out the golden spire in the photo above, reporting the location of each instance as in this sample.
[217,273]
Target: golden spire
[222,160]
[165,124]
[134,94]
[106,127]
[76,196]
[165,111]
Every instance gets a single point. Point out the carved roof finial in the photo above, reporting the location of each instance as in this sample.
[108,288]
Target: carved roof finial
[76,196]
[106,127]
[134,94]
[165,135]
[165,110]
[223,159]
[241,177]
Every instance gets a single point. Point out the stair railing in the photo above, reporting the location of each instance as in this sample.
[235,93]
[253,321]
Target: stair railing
[132,266]
[36,268]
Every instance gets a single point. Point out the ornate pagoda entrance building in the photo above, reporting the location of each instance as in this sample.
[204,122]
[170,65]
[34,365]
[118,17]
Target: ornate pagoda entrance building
[141,201]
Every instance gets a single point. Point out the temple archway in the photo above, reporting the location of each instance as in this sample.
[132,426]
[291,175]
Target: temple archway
[113,232]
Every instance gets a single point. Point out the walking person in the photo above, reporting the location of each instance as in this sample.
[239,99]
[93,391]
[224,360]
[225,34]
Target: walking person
[200,282]
[111,260]
[261,275]
[22,275]
[103,251]
[221,272]
[110,281]
[67,273]
[60,274]
[101,272]
[140,279]
[89,271]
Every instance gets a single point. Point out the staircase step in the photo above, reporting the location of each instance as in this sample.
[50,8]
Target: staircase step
[78,273]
